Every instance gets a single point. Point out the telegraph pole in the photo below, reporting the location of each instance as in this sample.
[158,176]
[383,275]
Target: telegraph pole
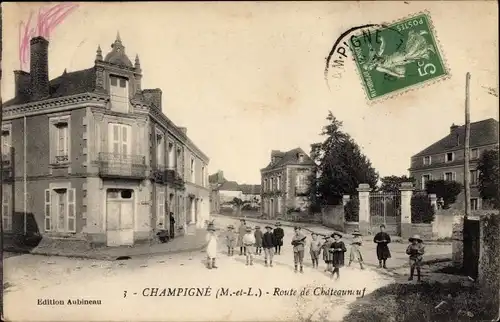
[466,147]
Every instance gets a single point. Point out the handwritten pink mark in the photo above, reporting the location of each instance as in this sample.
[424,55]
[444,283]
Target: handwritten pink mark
[48,19]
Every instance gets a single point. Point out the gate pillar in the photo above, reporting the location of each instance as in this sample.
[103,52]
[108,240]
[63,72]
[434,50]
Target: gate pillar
[364,208]
[406,194]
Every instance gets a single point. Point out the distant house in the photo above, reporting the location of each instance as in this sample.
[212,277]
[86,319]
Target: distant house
[228,191]
[251,193]
[285,182]
[444,159]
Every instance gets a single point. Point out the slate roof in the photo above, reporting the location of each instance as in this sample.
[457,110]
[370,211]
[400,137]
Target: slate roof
[289,158]
[250,189]
[67,84]
[230,186]
[483,132]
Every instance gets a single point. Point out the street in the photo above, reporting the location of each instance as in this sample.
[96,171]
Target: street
[32,278]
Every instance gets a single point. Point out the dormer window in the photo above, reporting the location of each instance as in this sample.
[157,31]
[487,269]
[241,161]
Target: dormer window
[301,157]
[119,93]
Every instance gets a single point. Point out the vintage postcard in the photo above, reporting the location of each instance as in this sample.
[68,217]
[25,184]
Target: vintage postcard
[250,161]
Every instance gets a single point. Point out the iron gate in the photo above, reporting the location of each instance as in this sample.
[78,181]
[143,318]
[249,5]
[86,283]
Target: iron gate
[385,208]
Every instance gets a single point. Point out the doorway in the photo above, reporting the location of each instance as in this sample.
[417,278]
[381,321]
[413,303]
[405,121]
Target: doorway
[119,217]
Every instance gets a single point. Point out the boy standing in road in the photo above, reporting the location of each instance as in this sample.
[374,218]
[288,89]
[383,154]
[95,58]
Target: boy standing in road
[230,240]
[315,249]
[298,242]
[382,239]
[355,253]
[268,243]
[278,234]
[248,243]
[241,232]
[327,255]
[416,251]
[258,240]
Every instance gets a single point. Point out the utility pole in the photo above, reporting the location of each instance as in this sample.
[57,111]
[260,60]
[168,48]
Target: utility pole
[466,147]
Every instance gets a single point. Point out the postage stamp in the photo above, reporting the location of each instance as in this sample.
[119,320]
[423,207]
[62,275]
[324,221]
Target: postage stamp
[397,62]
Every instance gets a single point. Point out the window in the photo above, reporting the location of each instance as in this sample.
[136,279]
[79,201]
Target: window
[203,176]
[427,160]
[474,153]
[279,205]
[171,155]
[60,210]
[193,177]
[425,179]
[160,150]
[59,144]
[301,185]
[118,92]
[6,145]
[278,183]
[449,176]
[160,210]
[6,211]
[474,204]
[178,159]
[301,157]
[474,177]
[450,156]
[120,139]
[265,185]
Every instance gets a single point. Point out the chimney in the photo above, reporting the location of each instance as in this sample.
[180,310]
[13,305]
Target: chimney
[39,68]
[22,82]
[453,128]
[183,129]
[153,96]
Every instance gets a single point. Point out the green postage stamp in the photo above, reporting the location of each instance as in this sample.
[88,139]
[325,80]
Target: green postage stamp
[398,57]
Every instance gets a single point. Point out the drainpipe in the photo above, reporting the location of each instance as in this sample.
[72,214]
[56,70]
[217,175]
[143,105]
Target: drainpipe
[24,178]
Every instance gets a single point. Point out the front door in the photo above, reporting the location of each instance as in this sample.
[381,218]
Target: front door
[120,217]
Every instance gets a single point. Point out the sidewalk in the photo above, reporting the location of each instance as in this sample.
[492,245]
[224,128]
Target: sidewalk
[181,244]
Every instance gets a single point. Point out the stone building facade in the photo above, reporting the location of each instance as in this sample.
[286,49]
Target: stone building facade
[284,182]
[90,155]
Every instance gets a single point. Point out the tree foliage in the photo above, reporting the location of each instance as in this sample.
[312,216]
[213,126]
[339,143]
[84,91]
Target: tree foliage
[448,190]
[421,209]
[341,166]
[489,180]
[393,183]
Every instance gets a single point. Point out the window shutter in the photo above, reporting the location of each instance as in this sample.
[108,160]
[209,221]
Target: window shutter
[6,214]
[71,212]
[160,215]
[125,138]
[454,176]
[443,176]
[48,217]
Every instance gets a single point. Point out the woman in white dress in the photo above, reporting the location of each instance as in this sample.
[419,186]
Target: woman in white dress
[211,246]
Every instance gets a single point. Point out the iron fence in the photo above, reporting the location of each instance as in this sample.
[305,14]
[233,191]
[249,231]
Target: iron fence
[385,208]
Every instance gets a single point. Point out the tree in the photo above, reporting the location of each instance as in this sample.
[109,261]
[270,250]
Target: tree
[421,209]
[341,166]
[393,183]
[489,180]
[238,204]
[448,190]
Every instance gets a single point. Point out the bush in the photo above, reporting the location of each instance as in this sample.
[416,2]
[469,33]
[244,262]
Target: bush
[448,190]
[351,210]
[421,209]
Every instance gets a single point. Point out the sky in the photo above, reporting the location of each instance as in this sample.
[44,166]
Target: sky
[247,78]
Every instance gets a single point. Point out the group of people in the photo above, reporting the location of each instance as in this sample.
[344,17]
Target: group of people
[332,247]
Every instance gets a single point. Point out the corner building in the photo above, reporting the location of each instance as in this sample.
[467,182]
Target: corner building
[90,156]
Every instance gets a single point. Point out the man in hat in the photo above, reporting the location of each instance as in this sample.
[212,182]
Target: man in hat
[279,234]
[211,246]
[241,232]
[355,253]
[416,251]
[248,243]
[382,239]
[298,242]
[258,240]
[230,240]
[268,243]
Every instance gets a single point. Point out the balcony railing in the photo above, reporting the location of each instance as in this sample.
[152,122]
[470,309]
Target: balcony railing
[173,178]
[61,159]
[158,174]
[115,165]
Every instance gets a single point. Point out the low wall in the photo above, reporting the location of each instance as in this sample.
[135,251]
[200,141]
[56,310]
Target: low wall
[442,226]
[333,217]
[424,230]
[489,257]
[350,226]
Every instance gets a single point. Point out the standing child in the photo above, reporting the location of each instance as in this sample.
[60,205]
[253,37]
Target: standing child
[230,240]
[248,243]
[415,250]
[298,242]
[241,232]
[338,250]
[315,249]
[211,238]
[355,253]
[258,240]
[268,242]
[382,239]
[278,234]
[327,255]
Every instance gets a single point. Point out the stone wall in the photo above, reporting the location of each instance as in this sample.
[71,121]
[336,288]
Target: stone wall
[424,230]
[350,226]
[458,239]
[489,256]
[333,217]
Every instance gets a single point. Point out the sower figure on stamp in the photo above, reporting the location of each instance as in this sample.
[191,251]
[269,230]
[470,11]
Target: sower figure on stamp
[315,249]
[355,253]
[230,240]
[415,250]
[258,240]
[248,243]
[382,239]
[298,242]
[338,249]
[327,255]
[279,234]
[268,243]
[211,246]
[241,232]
